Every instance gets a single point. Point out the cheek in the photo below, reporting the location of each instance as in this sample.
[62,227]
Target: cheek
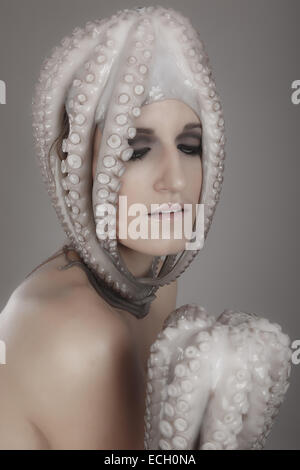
[195,178]
[133,189]
[129,189]
[133,183]
[194,185]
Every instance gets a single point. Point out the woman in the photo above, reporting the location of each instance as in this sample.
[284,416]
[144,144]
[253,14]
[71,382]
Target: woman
[98,357]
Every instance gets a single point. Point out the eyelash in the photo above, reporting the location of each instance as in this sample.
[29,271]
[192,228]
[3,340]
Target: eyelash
[193,151]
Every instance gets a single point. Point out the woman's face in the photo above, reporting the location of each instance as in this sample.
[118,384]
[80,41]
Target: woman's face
[166,167]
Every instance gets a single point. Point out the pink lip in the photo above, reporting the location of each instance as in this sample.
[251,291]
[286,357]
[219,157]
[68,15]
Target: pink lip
[168,208]
[166,215]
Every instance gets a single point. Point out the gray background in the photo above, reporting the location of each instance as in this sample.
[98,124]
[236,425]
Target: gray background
[251,256]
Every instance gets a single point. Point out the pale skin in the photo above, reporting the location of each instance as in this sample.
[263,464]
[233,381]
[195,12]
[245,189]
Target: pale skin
[76,367]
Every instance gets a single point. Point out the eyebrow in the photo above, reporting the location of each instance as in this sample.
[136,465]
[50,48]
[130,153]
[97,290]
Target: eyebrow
[147,130]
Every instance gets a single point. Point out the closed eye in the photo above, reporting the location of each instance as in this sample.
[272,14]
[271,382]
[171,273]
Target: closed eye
[187,149]
[191,150]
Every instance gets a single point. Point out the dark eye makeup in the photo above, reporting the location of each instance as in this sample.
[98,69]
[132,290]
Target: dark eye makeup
[138,154]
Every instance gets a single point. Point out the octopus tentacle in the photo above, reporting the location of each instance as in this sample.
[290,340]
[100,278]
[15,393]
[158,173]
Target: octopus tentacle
[218,382]
[101,74]
[168,423]
[223,418]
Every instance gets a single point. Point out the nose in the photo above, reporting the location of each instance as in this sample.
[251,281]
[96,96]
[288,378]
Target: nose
[171,175]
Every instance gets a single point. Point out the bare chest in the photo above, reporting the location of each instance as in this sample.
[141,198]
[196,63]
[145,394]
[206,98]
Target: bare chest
[145,331]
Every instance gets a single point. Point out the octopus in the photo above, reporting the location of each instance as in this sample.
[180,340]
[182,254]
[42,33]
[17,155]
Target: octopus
[104,74]
[215,383]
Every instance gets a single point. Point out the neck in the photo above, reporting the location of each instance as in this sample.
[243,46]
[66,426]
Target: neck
[138,264]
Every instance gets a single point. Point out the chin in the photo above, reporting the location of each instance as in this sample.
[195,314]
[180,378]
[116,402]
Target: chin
[155,247]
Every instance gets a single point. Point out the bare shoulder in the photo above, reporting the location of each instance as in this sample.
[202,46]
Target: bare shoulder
[53,287]
[59,311]
[71,358]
